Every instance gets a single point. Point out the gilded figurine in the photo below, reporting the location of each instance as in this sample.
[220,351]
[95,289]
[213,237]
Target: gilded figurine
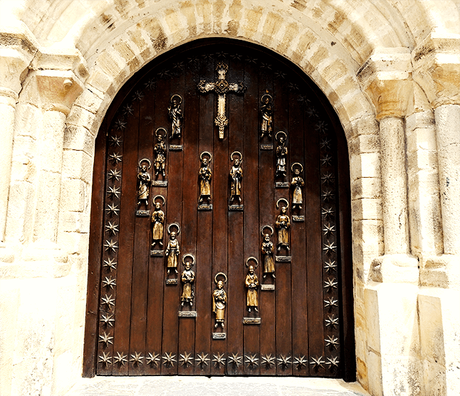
[266,109]
[175,115]
[205,175]
[143,182]
[236,177]
[172,250]
[281,154]
[158,220]
[187,277]
[219,300]
[297,183]
[252,284]
[160,152]
[283,224]
[268,250]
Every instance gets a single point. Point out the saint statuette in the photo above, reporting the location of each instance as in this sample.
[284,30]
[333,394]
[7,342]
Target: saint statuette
[266,127]
[143,187]
[159,150]
[297,184]
[204,176]
[219,303]
[175,115]
[283,224]
[158,220]
[236,179]
[251,283]
[281,160]
[187,278]
[268,250]
[172,252]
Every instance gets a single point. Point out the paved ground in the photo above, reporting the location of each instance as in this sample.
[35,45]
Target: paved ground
[222,386]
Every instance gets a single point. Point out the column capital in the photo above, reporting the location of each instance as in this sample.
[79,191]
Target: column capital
[386,78]
[53,90]
[437,68]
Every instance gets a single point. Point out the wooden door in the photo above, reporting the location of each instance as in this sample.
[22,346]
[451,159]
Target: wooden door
[136,322]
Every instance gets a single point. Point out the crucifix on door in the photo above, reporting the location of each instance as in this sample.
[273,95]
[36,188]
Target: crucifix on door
[221,87]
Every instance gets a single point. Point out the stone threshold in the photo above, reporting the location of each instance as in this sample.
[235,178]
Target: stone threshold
[203,386]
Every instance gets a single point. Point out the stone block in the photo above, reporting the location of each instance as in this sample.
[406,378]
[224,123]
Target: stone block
[364,165]
[79,138]
[74,195]
[90,99]
[77,165]
[82,117]
[396,268]
[367,187]
[361,144]
[74,242]
[366,209]
[100,80]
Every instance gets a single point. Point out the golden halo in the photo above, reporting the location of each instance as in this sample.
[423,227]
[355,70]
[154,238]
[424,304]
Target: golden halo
[236,152]
[176,96]
[159,196]
[264,95]
[176,225]
[264,227]
[208,153]
[282,199]
[220,273]
[253,259]
[165,133]
[284,133]
[298,164]
[145,160]
[189,255]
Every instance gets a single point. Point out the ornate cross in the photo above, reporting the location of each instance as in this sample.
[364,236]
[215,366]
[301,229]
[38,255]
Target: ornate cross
[221,87]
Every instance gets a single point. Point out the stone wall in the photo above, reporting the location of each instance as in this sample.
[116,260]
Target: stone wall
[389,68]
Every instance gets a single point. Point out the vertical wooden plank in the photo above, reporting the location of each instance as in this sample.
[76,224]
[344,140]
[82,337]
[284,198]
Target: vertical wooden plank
[313,245]
[174,215]
[236,310]
[154,329]
[283,273]
[251,212]
[267,216]
[204,271]
[95,254]
[220,207]
[186,87]
[299,293]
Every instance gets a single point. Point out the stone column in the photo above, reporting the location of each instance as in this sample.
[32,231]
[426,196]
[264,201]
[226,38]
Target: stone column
[14,61]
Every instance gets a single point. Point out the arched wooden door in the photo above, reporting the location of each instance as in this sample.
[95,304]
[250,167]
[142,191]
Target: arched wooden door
[220,100]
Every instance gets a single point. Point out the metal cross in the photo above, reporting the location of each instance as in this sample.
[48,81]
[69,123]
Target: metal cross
[221,87]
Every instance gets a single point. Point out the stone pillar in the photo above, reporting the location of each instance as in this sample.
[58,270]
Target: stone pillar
[14,61]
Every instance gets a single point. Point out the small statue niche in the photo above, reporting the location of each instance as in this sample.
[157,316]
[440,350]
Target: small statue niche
[283,224]
[175,115]
[266,109]
[236,179]
[158,220]
[297,184]
[268,250]
[219,302]
[251,283]
[281,159]
[188,278]
[143,186]
[204,176]
[172,251]
[159,163]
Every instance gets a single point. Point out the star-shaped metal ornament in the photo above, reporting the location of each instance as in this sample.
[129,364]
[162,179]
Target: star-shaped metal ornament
[327,211]
[109,282]
[112,209]
[115,158]
[111,228]
[330,266]
[325,144]
[219,359]
[235,359]
[300,362]
[111,246]
[111,264]
[330,247]
[108,300]
[327,178]
[136,358]
[120,124]
[105,339]
[331,342]
[120,358]
[105,359]
[202,359]
[312,112]
[284,361]
[328,229]
[152,359]
[115,140]
[326,160]
[330,284]
[330,302]
[321,126]
[332,362]
[150,84]
[169,359]
[107,319]
[114,174]
[114,192]
[252,361]
[268,361]
[128,110]
[327,195]
[317,362]
[332,321]
[138,95]
[186,359]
